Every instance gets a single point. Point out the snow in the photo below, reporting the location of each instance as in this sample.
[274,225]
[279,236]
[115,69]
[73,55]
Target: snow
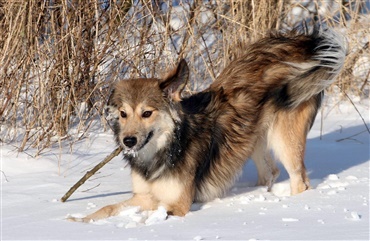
[337,206]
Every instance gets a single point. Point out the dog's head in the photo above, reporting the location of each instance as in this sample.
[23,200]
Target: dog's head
[145,111]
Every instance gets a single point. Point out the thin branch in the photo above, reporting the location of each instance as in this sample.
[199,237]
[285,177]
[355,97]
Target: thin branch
[90,173]
[350,137]
[363,120]
[6,179]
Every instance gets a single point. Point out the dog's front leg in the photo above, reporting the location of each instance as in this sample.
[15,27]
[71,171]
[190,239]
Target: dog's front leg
[142,197]
[176,194]
[144,201]
[105,212]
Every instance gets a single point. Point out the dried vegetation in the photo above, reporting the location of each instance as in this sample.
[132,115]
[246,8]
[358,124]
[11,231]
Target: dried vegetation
[59,58]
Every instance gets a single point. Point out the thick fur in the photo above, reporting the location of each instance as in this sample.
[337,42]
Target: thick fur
[192,149]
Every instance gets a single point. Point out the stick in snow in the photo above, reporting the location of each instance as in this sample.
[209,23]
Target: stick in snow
[90,173]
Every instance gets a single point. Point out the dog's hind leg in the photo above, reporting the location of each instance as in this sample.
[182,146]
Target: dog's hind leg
[287,139]
[266,167]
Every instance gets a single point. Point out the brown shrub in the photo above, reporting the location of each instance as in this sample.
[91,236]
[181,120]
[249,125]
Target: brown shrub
[59,58]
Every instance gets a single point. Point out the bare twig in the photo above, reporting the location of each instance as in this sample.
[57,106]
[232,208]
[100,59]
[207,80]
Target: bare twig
[350,137]
[90,173]
[6,179]
[363,120]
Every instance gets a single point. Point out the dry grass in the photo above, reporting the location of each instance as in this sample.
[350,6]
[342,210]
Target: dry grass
[59,58]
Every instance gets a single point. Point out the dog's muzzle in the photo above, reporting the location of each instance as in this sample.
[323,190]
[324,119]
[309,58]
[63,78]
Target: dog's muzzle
[131,141]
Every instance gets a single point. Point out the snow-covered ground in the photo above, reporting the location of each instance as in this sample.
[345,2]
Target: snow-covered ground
[336,208]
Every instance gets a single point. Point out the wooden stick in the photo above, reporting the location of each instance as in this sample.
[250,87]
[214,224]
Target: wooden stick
[90,173]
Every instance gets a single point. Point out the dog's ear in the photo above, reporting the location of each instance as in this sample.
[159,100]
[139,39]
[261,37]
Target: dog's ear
[111,107]
[111,97]
[176,81]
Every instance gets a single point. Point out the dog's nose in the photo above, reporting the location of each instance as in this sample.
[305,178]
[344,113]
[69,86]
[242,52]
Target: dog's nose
[130,141]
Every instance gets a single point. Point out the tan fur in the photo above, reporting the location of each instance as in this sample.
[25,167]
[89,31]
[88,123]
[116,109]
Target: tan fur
[172,193]
[288,141]
[266,167]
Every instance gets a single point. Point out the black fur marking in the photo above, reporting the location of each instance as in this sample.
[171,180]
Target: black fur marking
[282,95]
[207,159]
[279,95]
[150,135]
[116,129]
[178,145]
[318,101]
[196,103]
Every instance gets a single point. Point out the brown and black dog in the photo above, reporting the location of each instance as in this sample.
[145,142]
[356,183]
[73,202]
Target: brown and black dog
[182,150]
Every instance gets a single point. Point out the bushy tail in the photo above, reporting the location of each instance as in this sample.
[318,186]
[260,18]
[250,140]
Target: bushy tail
[324,55]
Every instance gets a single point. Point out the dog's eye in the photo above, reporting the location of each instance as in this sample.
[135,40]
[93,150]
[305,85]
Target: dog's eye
[147,114]
[123,114]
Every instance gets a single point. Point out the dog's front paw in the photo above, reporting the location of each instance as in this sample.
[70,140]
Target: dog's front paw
[76,219]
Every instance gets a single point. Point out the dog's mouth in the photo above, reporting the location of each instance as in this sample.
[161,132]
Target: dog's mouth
[147,139]
[133,151]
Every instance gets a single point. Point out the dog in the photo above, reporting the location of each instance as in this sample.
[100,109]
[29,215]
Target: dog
[191,149]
